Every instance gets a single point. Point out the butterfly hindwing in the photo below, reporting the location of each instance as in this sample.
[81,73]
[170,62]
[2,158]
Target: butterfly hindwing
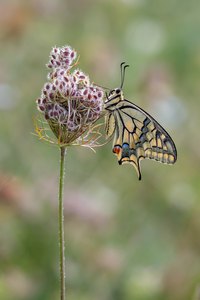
[137,136]
[110,124]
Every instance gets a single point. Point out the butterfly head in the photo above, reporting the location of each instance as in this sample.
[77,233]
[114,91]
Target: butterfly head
[115,93]
[114,96]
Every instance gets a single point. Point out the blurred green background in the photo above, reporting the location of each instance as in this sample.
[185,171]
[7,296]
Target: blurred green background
[125,239]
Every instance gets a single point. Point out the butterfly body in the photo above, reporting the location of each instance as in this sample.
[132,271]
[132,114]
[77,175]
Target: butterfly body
[137,135]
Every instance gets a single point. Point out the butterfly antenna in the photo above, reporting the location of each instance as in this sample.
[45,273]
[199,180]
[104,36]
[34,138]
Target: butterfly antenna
[123,68]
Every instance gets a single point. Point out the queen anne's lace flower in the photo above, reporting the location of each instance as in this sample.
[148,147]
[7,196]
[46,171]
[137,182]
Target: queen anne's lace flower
[69,101]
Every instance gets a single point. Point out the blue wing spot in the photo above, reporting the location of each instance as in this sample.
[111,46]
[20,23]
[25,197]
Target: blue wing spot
[125,150]
[125,146]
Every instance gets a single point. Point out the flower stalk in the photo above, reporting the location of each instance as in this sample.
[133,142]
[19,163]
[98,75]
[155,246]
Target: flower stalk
[61,224]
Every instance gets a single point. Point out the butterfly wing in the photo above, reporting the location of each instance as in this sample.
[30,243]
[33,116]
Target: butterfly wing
[110,124]
[137,136]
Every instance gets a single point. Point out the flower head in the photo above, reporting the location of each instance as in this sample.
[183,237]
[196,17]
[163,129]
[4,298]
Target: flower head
[69,102]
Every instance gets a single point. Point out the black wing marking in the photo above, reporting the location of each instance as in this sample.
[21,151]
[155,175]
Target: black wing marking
[138,136]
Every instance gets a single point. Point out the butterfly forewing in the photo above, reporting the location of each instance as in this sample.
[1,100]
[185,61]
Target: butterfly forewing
[137,136]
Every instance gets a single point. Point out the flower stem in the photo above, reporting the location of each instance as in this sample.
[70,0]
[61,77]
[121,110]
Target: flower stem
[61,224]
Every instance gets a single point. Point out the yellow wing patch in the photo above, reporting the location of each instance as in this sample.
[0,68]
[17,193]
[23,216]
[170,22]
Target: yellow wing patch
[138,136]
[110,125]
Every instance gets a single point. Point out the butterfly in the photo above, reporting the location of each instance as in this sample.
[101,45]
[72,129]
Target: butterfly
[137,135]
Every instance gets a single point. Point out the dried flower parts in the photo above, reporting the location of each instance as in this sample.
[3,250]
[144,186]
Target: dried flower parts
[70,103]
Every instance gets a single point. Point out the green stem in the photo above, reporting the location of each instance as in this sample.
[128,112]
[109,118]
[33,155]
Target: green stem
[61,224]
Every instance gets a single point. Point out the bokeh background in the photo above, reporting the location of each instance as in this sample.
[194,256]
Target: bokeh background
[124,239]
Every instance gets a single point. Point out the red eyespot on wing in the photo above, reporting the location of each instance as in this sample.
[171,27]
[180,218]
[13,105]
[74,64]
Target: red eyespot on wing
[116,149]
